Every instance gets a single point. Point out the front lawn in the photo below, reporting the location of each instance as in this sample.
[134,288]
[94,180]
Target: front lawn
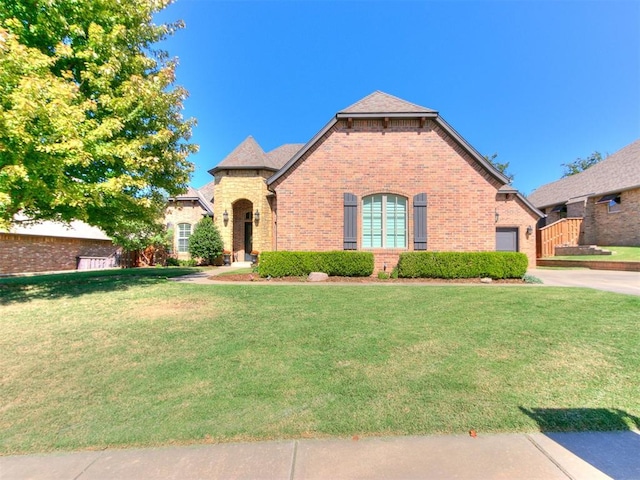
[618,254]
[138,361]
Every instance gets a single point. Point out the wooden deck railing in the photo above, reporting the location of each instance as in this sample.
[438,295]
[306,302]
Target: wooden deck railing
[563,232]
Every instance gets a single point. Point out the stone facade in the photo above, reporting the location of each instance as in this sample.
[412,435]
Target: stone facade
[242,193]
[182,211]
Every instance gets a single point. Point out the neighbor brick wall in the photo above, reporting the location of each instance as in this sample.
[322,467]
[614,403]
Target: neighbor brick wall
[35,253]
[402,159]
[621,228]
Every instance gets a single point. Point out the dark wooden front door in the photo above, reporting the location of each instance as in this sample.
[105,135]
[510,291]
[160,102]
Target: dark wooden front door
[248,240]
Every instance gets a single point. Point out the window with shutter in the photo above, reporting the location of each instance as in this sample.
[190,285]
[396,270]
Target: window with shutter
[420,222]
[384,221]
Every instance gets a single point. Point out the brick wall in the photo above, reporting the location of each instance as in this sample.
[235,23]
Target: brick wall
[621,228]
[34,253]
[402,159]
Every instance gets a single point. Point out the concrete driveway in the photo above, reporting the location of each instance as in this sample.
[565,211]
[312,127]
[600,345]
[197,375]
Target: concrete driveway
[612,281]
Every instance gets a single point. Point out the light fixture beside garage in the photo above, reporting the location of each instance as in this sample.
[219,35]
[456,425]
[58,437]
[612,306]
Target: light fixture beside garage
[529,231]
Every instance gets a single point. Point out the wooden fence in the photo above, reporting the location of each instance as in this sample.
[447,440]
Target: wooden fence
[563,232]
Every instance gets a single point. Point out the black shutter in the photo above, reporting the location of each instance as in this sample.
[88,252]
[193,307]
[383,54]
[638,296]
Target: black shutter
[350,221]
[420,221]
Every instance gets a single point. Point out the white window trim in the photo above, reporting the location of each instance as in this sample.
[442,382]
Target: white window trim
[384,221]
[184,238]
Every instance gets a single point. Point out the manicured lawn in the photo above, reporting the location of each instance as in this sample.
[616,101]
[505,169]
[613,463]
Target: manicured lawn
[126,360]
[619,254]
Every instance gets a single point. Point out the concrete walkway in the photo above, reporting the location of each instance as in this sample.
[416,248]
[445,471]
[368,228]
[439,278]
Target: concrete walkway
[559,456]
[612,281]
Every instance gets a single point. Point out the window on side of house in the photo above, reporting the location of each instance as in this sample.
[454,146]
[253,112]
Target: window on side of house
[384,221]
[184,232]
[612,201]
[614,205]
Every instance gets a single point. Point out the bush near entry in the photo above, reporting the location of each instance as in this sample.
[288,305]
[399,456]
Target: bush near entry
[334,263]
[462,265]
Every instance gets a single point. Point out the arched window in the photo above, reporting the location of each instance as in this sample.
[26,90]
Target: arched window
[184,232]
[384,221]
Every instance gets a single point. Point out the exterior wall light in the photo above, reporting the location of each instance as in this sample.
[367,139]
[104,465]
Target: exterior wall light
[257,215]
[225,216]
[529,230]
[497,216]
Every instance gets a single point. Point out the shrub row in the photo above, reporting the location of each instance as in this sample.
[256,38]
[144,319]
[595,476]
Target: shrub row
[297,264]
[462,265]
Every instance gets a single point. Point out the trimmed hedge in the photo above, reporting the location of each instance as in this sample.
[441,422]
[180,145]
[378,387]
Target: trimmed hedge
[462,265]
[298,264]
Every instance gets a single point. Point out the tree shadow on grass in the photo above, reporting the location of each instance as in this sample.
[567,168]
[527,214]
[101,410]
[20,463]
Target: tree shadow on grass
[75,284]
[608,439]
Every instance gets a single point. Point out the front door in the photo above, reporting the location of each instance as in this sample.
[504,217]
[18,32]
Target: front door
[248,240]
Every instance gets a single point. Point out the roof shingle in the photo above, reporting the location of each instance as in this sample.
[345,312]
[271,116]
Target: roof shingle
[380,102]
[618,172]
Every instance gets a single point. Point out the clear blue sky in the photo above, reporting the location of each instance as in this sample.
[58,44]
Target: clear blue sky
[541,83]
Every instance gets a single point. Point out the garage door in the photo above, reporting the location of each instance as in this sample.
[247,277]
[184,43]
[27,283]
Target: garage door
[507,239]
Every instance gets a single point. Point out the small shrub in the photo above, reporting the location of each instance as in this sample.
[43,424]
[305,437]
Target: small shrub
[205,241]
[173,262]
[383,276]
[300,264]
[188,263]
[394,272]
[462,265]
[531,279]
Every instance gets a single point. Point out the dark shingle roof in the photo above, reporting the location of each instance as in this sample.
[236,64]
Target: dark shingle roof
[380,102]
[246,155]
[281,155]
[618,172]
[197,195]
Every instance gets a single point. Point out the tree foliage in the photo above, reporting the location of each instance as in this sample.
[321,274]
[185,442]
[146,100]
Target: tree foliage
[501,167]
[581,164]
[90,119]
[205,241]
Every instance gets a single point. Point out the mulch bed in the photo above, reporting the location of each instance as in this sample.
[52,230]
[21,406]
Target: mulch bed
[252,277]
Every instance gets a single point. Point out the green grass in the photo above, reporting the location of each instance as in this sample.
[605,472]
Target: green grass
[136,360]
[619,254]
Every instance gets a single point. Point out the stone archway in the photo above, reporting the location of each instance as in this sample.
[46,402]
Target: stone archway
[242,230]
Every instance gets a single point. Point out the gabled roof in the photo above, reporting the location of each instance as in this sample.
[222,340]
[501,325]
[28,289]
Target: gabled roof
[278,157]
[616,173]
[382,105]
[246,155]
[380,102]
[195,196]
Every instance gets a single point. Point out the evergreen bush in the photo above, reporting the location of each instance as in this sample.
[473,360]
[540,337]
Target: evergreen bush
[298,264]
[462,265]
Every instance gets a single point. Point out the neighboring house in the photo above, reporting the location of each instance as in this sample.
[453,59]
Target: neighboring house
[606,196]
[51,246]
[384,175]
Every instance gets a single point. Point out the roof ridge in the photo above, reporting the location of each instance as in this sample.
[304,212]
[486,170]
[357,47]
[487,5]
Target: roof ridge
[382,102]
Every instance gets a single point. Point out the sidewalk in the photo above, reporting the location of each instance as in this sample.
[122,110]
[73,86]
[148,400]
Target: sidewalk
[587,455]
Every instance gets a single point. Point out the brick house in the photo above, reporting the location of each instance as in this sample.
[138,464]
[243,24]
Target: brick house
[606,196]
[384,175]
[51,246]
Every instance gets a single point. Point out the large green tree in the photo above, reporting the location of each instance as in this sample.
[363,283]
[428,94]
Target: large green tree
[581,164]
[90,117]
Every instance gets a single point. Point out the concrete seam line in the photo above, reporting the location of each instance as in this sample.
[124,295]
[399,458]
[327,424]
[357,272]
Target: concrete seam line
[548,455]
[293,460]
[90,465]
